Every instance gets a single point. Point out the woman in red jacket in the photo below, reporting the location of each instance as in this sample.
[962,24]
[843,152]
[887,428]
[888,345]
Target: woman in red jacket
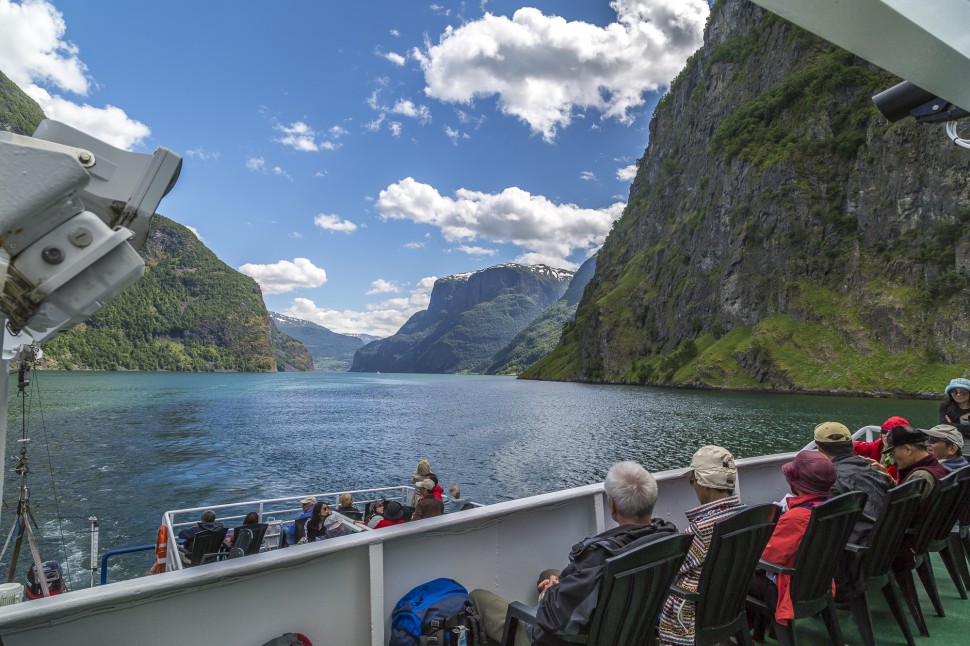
[810,476]
[874,450]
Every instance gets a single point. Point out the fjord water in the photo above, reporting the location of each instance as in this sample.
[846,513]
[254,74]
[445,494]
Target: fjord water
[126,447]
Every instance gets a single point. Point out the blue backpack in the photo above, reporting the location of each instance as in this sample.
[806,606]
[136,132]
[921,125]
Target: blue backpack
[436,613]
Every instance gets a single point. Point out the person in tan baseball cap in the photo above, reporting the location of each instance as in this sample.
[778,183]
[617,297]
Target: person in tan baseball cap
[852,472]
[946,443]
[714,477]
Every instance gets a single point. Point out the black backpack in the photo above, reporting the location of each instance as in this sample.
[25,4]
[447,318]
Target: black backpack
[436,613]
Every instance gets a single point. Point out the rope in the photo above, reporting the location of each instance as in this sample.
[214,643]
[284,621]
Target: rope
[951,131]
[66,564]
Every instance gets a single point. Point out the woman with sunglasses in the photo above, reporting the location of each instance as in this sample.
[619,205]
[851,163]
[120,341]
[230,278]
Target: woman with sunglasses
[955,409]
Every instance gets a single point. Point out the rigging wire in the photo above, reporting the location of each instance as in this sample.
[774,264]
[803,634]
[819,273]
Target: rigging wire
[27,413]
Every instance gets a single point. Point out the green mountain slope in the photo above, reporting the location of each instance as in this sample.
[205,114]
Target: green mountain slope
[470,318]
[780,233]
[541,336]
[331,351]
[190,312]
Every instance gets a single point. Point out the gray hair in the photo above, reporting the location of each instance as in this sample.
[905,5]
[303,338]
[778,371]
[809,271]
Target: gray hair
[456,491]
[632,488]
[208,516]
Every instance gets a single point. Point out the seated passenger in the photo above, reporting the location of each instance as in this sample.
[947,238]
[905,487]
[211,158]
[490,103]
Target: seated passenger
[567,600]
[378,514]
[347,507]
[810,476]
[207,523]
[288,532]
[874,450]
[438,490]
[853,473]
[393,515]
[713,476]
[252,518]
[427,506]
[945,442]
[315,528]
[454,501]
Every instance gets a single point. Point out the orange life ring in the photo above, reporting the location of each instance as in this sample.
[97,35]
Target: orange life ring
[161,550]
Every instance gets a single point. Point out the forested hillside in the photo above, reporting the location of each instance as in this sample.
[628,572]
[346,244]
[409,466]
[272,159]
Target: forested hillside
[190,311]
[780,233]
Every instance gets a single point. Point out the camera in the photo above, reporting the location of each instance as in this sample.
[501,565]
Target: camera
[908,100]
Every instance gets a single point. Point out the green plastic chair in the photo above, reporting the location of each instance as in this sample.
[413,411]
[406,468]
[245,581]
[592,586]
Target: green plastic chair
[811,577]
[633,589]
[733,555]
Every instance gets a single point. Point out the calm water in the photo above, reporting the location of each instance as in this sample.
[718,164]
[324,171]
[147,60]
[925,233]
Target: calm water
[125,447]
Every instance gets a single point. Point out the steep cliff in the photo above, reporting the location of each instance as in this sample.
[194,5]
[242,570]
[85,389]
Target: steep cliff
[470,318]
[780,233]
[539,337]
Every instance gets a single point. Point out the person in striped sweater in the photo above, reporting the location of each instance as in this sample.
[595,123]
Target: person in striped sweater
[713,476]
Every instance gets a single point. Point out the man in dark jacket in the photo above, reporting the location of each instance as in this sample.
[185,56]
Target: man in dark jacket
[207,523]
[567,600]
[853,473]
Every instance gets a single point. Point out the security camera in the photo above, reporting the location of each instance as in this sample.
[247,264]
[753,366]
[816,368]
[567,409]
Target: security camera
[72,214]
[908,100]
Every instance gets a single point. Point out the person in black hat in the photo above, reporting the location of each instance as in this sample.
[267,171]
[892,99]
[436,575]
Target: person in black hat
[393,514]
[913,459]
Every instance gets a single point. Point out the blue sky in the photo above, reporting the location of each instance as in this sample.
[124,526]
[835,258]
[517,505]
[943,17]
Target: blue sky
[345,154]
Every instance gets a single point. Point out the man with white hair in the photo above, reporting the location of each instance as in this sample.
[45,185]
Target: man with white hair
[567,600]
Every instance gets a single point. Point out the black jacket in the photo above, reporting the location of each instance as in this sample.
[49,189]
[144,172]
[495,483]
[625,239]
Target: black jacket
[566,607]
[949,408]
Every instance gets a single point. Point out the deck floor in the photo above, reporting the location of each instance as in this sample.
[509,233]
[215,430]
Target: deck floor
[952,629]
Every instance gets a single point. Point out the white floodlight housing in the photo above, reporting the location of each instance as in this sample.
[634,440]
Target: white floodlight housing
[72,212]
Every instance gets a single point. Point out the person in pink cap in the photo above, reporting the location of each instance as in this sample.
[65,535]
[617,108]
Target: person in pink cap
[810,476]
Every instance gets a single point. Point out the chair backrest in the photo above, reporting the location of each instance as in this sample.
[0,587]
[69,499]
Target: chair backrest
[942,509]
[890,528]
[249,538]
[824,540]
[736,546]
[206,542]
[633,588]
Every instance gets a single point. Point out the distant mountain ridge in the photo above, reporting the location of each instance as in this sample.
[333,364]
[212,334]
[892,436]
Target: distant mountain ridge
[470,317]
[331,351]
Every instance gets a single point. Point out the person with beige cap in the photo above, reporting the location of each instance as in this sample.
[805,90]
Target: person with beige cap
[713,475]
[288,532]
[945,442]
[427,505]
[853,473]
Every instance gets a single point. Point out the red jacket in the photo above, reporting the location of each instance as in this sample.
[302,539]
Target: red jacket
[784,543]
[873,450]
[387,523]
[438,491]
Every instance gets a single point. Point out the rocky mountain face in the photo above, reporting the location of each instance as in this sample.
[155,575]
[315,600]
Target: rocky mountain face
[470,317]
[780,233]
[331,352]
[540,337]
[190,311]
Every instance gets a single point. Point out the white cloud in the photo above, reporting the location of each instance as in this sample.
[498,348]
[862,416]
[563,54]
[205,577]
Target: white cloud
[297,235]
[476,251]
[455,135]
[409,108]
[279,172]
[256,164]
[383,318]
[334,223]
[531,222]
[413,245]
[202,154]
[298,136]
[337,131]
[381,286]
[285,276]
[395,127]
[194,231]
[626,173]
[587,175]
[394,57]
[33,53]
[543,68]
[394,32]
